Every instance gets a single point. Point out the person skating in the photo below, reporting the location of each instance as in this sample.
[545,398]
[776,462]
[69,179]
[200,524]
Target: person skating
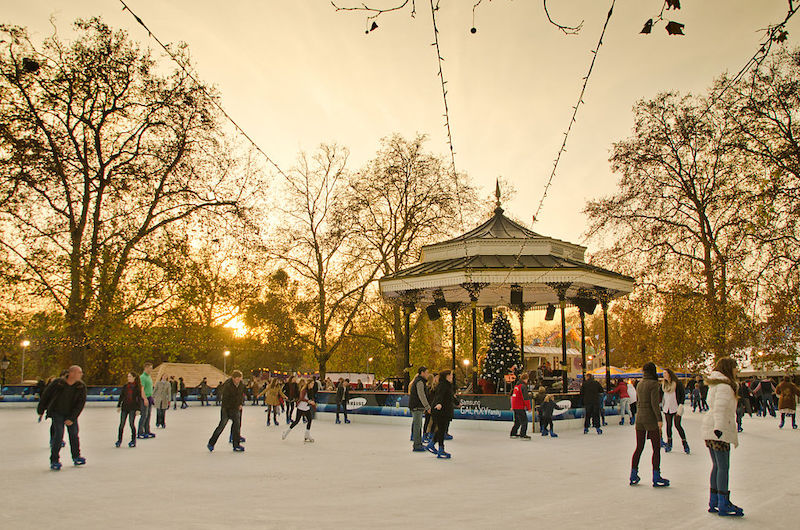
[203,390]
[182,392]
[291,391]
[765,391]
[232,392]
[590,394]
[129,403]
[147,403]
[419,405]
[621,391]
[743,404]
[63,400]
[342,397]
[787,400]
[173,388]
[161,399]
[632,396]
[703,395]
[442,410]
[520,405]
[719,433]
[546,411]
[648,425]
[672,402]
[272,398]
[305,406]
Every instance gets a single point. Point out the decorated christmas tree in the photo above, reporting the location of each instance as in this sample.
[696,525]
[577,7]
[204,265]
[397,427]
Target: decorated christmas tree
[503,352]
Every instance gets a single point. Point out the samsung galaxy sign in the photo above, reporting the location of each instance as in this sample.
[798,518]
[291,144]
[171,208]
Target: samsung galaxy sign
[356,403]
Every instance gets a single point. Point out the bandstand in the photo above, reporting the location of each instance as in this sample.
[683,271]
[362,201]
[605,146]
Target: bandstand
[503,264]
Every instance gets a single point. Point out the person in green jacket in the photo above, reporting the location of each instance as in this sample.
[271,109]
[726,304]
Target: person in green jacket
[147,402]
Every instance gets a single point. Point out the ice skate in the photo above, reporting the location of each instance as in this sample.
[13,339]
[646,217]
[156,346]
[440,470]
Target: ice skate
[658,480]
[79,461]
[307,437]
[285,433]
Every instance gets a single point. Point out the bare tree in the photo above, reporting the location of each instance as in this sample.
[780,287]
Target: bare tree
[319,243]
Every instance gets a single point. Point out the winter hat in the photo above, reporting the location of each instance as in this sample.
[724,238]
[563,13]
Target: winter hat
[649,370]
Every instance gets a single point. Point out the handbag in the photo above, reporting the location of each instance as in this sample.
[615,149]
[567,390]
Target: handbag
[680,410]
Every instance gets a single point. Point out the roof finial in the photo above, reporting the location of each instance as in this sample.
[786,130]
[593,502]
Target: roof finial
[497,208]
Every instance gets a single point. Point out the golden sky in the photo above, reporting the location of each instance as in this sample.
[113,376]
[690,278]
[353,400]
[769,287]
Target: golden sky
[295,73]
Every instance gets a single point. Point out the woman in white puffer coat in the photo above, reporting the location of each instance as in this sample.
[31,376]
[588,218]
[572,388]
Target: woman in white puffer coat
[720,432]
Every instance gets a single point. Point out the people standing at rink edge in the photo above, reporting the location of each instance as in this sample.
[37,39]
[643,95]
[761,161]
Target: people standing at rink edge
[342,397]
[419,405]
[520,405]
[63,401]
[648,425]
[147,403]
[787,400]
[590,394]
[672,402]
[719,433]
[129,403]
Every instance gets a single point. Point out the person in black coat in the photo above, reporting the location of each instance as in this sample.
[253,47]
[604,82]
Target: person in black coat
[590,393]
[442,411]
[182,391]
[63,400]
[232,391]
[342,397]
[130,402]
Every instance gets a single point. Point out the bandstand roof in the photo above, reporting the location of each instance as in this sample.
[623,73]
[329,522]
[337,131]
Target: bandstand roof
[496,255]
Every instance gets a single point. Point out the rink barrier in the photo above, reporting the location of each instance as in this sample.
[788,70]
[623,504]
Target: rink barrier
[486,407]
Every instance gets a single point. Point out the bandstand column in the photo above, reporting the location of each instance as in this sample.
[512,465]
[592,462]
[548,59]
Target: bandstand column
[454,307]
[604,304]
[583,344]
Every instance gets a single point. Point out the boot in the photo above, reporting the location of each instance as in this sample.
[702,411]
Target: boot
[431,447]
[585,430]
[307,437]
[599,430]
[783,419]
[634,476]
[622,421]
[55,466]
[285,433]
[79,461]
[338,421]
[441,453]
[553,434]
[658,480]
[668,446]
[544,432]
[632,420]
[686,447]
[725,507]
[346,420]
[117,443]
[712,501]
[132,443]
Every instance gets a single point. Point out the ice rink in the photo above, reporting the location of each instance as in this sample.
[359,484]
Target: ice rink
[363,475]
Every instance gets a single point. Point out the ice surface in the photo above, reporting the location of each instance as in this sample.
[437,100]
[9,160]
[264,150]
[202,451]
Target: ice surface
[364,475]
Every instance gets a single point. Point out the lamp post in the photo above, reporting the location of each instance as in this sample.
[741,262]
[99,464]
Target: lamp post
[369,360]
[225,361]
[465,362]
[25,343]
[4,366]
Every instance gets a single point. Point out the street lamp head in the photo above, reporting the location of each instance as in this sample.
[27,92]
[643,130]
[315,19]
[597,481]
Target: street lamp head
[370,359]
[466,362]
[226,353]
[25,343]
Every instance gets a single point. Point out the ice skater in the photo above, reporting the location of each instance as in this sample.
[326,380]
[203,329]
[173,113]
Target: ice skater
[130,402]
[342,397]
[232,394]
[546,411]
[787,400]
[203,390]
[520,405]
[305,406]
[719,432]
[621,391]
[632,396]
[147,405]
[63,400]
[161,398]
[419,405]
[672,402]
[182,392]
[590,393]
[272,398]
[443,404]
[648,425]
[291,391]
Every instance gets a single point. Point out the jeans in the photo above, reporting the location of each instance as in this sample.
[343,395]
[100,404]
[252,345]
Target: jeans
[131,417]
[144,419]
[57,436]
[655,441]
[416,427]
[546,424]
[624,408]
[343,406]
[224,417]
[720,467]
[161,416]
[520,423]
[593,413]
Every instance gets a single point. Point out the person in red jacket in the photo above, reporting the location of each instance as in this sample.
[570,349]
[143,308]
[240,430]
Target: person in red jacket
[520,404]
[624,400]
